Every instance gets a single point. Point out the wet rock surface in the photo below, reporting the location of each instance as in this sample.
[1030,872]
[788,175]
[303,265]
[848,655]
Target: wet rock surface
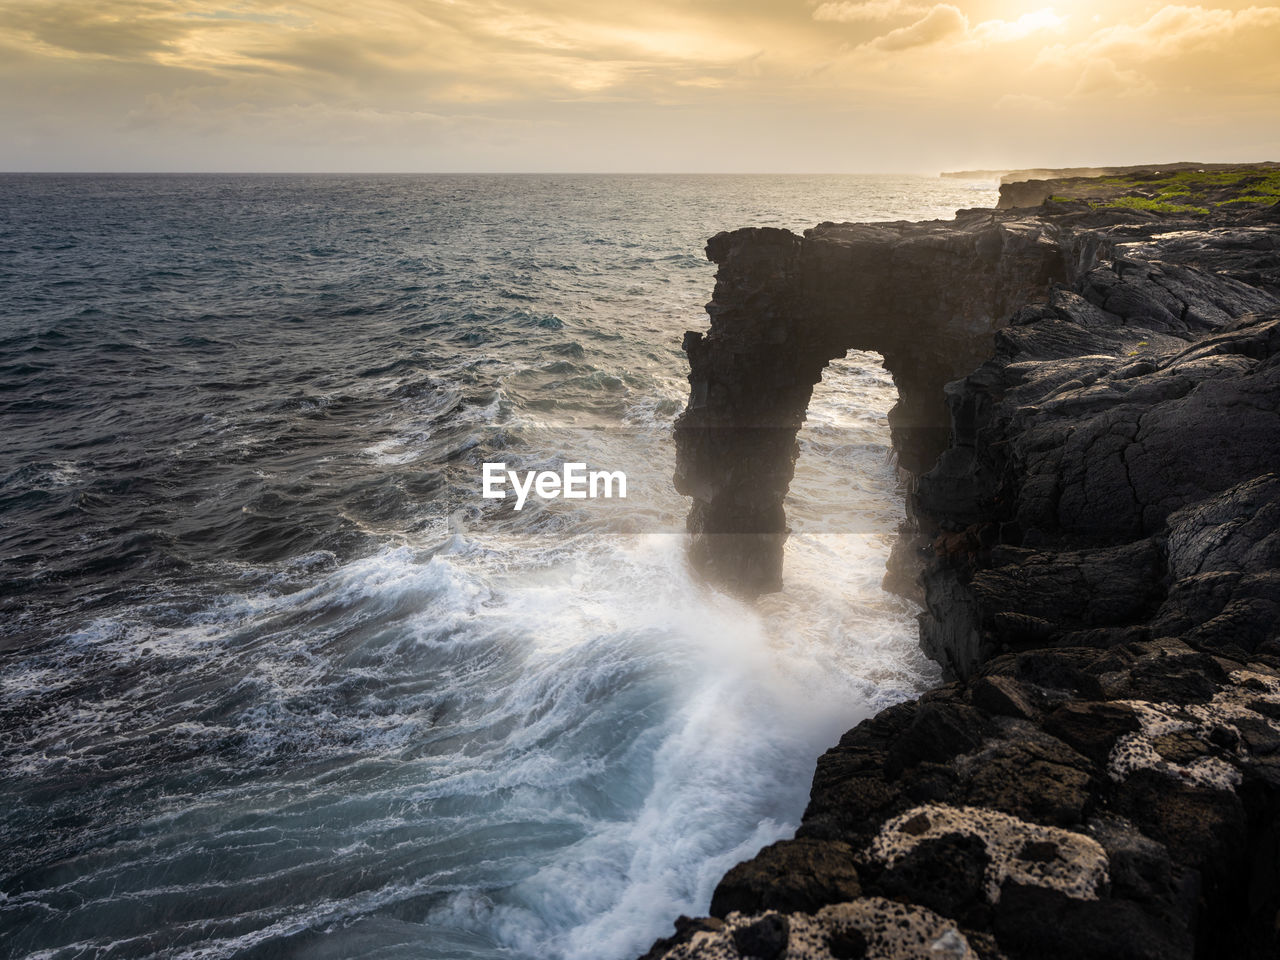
[1097,547]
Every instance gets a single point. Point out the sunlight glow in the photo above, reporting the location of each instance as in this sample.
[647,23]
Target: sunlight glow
[934,83]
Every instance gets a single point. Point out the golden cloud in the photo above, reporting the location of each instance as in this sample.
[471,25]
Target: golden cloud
[848,11]
[940,23]
[310,66]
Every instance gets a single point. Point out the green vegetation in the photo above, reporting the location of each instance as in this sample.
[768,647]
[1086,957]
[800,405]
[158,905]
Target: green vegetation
[1146,203]
[1186,191]
[1255,198]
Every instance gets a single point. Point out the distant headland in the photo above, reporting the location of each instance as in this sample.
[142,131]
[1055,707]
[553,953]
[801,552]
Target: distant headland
[1057,173]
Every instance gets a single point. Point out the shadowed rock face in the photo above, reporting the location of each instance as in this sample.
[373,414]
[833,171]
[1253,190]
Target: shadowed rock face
[1059,511]
[1101,579]
[927,297]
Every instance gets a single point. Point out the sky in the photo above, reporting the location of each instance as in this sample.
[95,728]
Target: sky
[769,86]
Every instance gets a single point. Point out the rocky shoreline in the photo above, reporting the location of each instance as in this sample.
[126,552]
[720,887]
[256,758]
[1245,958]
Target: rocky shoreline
[1090,414]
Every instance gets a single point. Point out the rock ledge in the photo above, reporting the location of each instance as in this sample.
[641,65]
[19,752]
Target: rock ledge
[1090,412]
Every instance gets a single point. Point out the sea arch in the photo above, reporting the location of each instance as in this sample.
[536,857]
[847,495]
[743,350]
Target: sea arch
[928,297]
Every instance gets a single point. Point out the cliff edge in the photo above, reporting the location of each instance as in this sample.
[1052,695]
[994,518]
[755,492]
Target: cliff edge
[1090,411]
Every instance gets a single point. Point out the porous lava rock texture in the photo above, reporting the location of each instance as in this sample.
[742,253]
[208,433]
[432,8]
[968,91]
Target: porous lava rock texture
[1096,543]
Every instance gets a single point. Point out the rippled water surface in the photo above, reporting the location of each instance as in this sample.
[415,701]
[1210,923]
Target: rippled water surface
[276,682]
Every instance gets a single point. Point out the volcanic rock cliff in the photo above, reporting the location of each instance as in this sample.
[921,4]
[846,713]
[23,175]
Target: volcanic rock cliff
[927,297]
[1090,414]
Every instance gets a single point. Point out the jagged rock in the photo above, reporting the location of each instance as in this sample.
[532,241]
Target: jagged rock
[1091,387]
[1090,405]
[765,938]
[784,306]
[945,874]
[1031,777]
[1039,924]
[1024,193]
[1002,696]
[790,875]
[1092,728]
[872,928]
[937,732]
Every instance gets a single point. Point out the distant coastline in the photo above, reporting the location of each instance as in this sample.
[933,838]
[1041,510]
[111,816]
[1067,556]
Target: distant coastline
[1053,173]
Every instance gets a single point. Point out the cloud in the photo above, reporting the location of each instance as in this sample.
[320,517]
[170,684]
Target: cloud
[523,50]
[124,30]
[1175,30]
[1209,61]
[1101,77]
[945,22]
[1006,31]
[940,23]
[274,72]
[847,11]
[1170,32]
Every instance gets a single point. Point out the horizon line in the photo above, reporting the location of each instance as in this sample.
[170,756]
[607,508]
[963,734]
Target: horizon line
[487,173]
[627,173]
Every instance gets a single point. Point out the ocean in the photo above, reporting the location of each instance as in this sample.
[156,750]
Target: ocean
[276,681]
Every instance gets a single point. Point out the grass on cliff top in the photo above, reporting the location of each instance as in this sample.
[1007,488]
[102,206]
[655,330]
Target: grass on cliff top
[1186,191]
[1146,203]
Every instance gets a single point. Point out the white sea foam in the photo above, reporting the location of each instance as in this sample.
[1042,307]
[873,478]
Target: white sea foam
[485,736]
[584,690]
[753,694]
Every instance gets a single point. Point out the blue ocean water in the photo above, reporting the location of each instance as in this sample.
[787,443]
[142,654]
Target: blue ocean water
[276,682]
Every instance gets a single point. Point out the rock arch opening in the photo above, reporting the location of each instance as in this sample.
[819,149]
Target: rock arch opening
[926,297]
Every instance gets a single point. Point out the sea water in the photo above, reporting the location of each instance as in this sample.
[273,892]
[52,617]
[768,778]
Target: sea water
[276,681]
